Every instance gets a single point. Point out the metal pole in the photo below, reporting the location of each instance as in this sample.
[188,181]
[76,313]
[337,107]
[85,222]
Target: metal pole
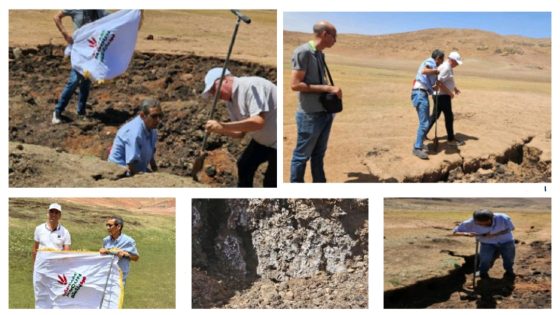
[107,281]
[475,264]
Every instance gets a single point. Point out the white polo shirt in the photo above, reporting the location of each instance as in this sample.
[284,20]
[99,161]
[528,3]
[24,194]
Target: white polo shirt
[53,239]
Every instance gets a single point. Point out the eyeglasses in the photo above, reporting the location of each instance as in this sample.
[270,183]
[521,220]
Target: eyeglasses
[156,116]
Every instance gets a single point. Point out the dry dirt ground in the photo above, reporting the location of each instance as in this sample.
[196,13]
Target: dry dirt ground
[425,267]
[170,67]
[503,113]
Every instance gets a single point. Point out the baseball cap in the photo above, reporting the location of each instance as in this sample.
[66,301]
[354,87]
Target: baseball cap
[211,76]
[455,56]
[55,206]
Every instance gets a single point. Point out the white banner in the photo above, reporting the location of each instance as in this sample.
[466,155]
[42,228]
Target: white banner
[103,49]
[70,279]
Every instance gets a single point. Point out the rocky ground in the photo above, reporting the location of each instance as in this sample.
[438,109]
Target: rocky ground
[530,289]
[37,76]
[286,253]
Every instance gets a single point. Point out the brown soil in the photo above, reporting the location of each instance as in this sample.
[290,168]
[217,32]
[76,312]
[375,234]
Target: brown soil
[37,78]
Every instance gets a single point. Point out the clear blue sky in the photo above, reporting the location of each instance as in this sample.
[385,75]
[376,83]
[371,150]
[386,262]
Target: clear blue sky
[530,24]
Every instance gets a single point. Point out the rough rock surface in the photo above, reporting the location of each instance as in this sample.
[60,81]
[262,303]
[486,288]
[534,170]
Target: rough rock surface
[280,253]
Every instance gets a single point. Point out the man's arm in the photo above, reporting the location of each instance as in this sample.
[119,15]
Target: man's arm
[237,129]
[299,85]
[58,22]
[129,255]
[35,249]
[430,71]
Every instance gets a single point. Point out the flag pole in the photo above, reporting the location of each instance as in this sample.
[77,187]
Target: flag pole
[107,281]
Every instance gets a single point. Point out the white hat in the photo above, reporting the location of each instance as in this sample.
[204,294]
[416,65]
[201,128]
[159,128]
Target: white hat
[55,206]
[211,76]
[455,56]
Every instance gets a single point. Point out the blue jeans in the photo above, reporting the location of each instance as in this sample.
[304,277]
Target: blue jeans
[422,104]
[490,252]
[75,80]
[313,131]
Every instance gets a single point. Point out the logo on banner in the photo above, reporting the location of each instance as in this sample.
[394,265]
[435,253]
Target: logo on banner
[74,285]
[101,44]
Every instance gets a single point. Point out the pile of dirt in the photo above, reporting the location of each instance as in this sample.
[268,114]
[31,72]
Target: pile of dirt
[37,76]
[531,287]
[280,253]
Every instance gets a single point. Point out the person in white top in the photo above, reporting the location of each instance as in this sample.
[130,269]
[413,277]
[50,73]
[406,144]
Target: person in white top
[447,91]
[51,234]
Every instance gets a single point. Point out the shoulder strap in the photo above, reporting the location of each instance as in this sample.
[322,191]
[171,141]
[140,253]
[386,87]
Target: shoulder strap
[326,68]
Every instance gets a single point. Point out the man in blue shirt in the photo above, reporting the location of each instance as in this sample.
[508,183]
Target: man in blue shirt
[494,232]
[79,18]
[135,143]
[122,245]
[426,78]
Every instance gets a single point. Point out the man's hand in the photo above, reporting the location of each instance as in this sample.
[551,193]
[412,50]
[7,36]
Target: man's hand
[336,90]
[122,253]
[68,38]
[213,126]
[457,91]
[104,251]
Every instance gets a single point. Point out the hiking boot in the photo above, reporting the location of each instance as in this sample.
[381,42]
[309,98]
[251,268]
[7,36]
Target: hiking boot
[420,153]
[56,118]
[456,143]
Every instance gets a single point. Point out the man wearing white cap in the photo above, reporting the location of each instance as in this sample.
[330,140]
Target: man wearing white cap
[447,90]
[52,235]
[251,103]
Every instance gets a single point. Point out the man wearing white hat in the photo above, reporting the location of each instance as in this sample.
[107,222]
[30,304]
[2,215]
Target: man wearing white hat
[251,103]
[447,90]
[52,235]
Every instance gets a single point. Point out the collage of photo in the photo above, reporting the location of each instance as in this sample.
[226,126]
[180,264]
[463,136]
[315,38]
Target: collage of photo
[145,170]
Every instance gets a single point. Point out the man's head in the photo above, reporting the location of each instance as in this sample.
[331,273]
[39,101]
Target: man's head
[483,217]
[151,113]
[455,59]
[54,214]
[114,226]
[212,81]
[325,34]
[438,56]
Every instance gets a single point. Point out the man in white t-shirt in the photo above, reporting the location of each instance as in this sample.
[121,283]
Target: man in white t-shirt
[52,235]
[447,91]
[251,103]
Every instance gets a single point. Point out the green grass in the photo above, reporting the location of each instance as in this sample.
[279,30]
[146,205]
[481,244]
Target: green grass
[151,281]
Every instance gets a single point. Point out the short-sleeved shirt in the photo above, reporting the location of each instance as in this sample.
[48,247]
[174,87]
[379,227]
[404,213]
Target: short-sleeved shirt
[308,59]
[82,17]
[426,81]
[123,242]
[134,144]
[500,222]
[252,96]
[446,76]
[52,239]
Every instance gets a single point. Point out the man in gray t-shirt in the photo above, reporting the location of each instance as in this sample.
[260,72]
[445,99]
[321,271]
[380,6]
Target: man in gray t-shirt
[251,103]
[79,19]
[313,122]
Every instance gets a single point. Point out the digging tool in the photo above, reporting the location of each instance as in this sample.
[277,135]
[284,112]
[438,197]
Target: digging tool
[199,162]
[436,140]
[475,264]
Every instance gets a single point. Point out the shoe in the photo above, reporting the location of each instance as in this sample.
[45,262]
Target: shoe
[82,118]
[484,276]
[56,118]
[509,275]
[425,148]
[456,142]
[420,153]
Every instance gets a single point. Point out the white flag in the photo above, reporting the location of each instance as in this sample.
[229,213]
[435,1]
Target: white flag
[66,279]
[103,49]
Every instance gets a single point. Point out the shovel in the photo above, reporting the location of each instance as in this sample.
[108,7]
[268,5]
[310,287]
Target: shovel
[199,161]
